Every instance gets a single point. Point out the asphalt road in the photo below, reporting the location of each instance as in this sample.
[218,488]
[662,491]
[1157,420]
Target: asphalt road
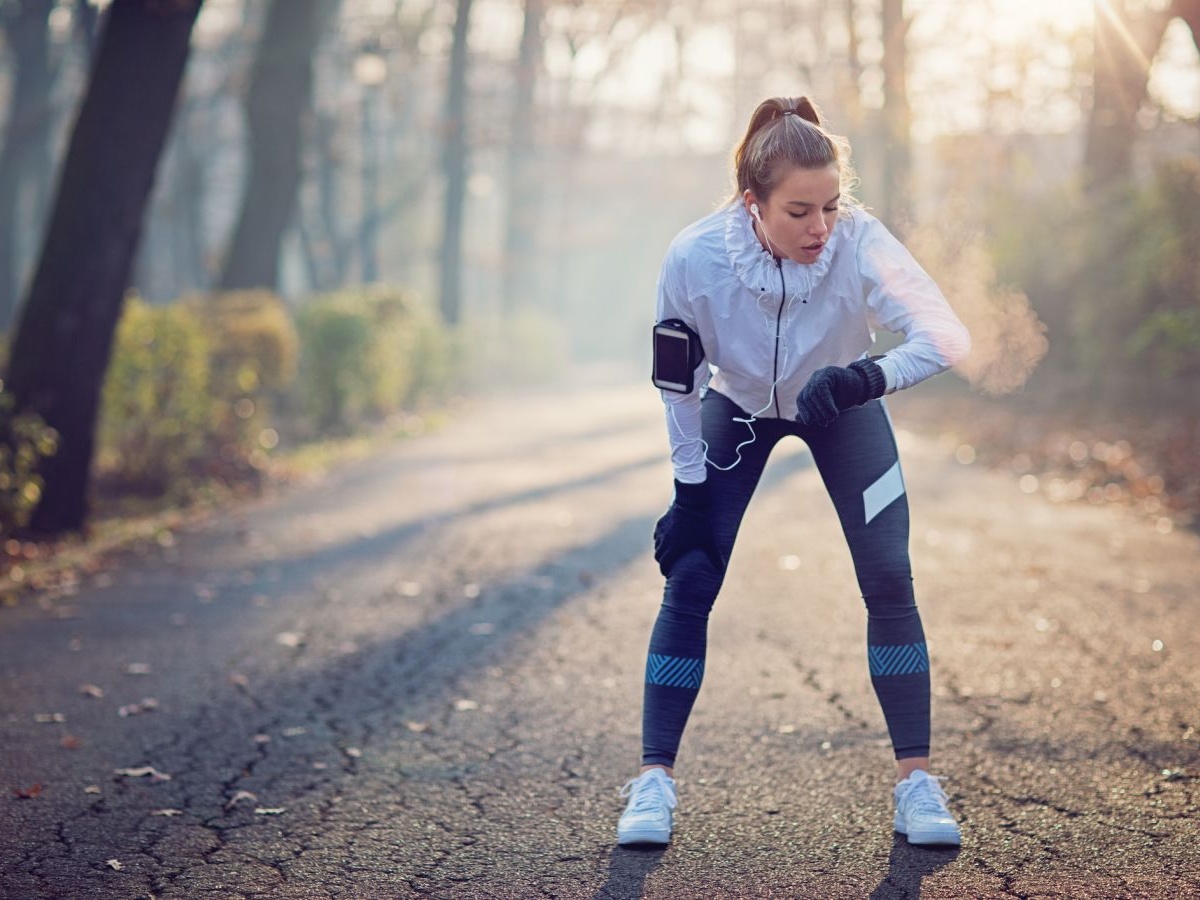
[421,677]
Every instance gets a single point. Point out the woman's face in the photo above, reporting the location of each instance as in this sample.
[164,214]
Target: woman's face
[799,216]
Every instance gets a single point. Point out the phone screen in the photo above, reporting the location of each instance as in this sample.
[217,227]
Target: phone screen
[671,368]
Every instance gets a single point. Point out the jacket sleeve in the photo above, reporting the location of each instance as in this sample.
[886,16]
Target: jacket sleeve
[905,300]
[682,410]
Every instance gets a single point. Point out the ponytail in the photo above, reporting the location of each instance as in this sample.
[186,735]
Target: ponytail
[786,133]
[807,111]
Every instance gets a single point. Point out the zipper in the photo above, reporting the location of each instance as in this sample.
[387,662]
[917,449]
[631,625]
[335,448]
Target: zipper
[778,323]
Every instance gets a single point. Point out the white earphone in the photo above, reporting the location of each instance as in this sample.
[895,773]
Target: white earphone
[754,211]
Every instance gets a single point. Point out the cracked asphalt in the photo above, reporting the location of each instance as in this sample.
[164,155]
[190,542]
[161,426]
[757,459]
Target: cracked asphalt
[420,677]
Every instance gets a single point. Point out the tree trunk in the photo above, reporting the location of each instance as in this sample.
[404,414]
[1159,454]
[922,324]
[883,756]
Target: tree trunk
[280,96]
[897,116]
[522,151]
[455,168]
[1123,47]
[61,347]
[87,26]
[26,30]
[1189,11]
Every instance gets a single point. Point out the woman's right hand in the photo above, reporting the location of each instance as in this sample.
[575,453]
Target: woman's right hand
[685,527]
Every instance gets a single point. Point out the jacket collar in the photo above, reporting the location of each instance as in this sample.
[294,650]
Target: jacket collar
[756,267]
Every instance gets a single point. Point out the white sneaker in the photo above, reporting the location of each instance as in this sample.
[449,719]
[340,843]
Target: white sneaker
[648,815]
[921,813]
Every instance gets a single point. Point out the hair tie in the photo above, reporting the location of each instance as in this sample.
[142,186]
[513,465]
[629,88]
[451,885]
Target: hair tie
[789,112]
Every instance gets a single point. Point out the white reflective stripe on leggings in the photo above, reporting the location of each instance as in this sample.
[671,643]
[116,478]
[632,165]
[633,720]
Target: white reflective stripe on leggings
[887,488]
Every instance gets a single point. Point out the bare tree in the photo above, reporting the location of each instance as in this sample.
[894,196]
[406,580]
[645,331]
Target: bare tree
[26,132]
[1189,12]
[62,343]
[897,114]
[522,164]
[279,98]
[88,20]
[454,161]
[1124,44]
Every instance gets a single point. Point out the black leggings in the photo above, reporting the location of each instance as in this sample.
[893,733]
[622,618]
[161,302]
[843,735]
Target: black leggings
[856,456]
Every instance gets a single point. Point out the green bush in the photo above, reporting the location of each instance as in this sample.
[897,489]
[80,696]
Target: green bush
[157,404]
[189,390]
[253,360]
[1116,277]
[24,441]
[333,373]
[369,352]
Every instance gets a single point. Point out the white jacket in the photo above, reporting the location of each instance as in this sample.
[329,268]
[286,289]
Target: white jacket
[766,322]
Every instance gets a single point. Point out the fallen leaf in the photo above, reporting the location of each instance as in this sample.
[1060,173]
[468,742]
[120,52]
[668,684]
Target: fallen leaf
[270,810]
[291,639]
[262,739]
[114,864]
[46,718]
[167,812]
[294,732]
[238,798]
[148,704]
[92,789]
[465,705]
[418,727]
[143,771]
[28,793]
[136,668]
[239,680]
[353,752]
[91,690]
[70,742]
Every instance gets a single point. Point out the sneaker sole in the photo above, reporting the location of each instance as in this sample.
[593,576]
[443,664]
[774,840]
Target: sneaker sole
[648,836]
[949,837]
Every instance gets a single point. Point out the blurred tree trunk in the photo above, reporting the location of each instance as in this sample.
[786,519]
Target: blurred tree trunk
[61,347]
[26,134]
[454,161]
[1124,45]
[279,99]
[897,115]
[87,25]
[1189,11]
[522,166]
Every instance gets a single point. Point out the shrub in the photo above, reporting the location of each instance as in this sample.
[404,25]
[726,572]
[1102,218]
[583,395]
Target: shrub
[253,359]
[25,440]
[1115,276]
[369,352]
[157,403]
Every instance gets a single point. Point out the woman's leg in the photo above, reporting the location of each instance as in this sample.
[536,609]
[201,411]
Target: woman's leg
[857,458]
[678,644]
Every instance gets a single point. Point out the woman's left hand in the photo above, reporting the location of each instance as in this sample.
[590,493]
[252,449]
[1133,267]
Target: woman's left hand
[835,389]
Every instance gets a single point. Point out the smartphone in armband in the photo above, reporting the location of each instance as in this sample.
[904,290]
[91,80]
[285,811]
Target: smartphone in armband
[677,353]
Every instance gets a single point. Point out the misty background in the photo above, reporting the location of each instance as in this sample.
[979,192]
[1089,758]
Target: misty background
[491,184]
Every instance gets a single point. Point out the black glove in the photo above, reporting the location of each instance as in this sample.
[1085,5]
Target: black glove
[835,389]
[684,527]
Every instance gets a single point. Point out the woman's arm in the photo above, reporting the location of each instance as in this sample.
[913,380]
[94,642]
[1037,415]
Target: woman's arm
[682,410]
[907,301]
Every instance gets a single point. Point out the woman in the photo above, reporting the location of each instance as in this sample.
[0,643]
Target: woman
[780,288]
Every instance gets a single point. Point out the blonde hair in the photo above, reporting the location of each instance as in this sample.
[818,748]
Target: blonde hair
[786,133]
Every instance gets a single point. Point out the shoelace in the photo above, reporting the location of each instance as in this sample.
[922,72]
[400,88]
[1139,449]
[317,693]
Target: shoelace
[928,797]
[648,794]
